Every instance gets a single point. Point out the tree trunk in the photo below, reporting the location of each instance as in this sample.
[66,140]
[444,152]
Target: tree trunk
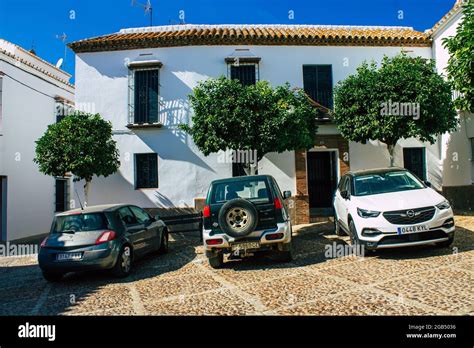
[250,169]
[86,192]
[391,149]
[253,169]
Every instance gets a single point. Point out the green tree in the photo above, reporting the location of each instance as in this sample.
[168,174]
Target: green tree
[403,98]
[230,116]
[461,61]
[80,144]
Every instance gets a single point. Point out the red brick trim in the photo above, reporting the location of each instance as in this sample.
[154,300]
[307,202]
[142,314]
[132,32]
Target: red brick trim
[301,199]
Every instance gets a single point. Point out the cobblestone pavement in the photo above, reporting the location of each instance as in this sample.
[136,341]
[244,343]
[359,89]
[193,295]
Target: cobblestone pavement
[410,281]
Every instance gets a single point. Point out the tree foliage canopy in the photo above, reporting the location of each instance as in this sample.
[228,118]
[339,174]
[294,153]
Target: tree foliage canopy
[81,144]
[229,115]
[412,84]
[461,62]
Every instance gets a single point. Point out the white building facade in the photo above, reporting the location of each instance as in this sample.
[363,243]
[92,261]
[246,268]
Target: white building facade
[140,79]
[457,148]
[32,95]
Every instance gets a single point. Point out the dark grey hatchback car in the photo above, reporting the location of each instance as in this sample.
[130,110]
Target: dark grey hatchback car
[100,237]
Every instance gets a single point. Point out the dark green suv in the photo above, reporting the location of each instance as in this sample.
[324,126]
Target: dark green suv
[245,215]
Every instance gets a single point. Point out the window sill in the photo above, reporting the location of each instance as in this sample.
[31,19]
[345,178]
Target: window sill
[143,125]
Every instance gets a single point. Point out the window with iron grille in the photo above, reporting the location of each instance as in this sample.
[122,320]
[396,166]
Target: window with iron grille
[63,109]
[472,149]
[245,73]
[143,96]
[317,81]
[61,195]
[146,170]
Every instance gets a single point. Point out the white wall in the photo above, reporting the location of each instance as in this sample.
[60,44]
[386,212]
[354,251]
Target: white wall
[458,168]
[26,114]
[184,173]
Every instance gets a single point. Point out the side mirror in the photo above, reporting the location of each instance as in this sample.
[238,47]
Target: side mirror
[427,183]
[345,194]
[286,194]
[156,217]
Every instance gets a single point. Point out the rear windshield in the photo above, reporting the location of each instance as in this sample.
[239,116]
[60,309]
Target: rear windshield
[80,223]
[385,182]
[254,190]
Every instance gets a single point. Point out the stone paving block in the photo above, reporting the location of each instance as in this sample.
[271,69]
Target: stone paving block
[447,289]
[158,289]
[19,292]
[295,289]
[358,302]
[217,303]
[370,270]
[103,299]
[19,307]
[247,271]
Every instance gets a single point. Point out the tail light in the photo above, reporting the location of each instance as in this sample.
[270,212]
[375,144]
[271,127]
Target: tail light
[278,204]
[214,241]
[106,236]
[273,236]
[206,211]
[43,243]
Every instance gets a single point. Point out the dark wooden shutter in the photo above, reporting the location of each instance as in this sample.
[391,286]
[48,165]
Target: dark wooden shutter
[61,198]
[147,170]
[246,74]
[146,96]
[414,161]
[317,82]
[472,149]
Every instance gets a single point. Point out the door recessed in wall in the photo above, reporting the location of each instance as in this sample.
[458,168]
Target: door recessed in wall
[322,181]
[414,160]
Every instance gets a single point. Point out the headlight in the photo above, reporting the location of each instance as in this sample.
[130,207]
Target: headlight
[443,205]
[367,213]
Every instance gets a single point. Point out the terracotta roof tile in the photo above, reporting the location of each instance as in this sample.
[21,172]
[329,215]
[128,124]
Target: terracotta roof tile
[312,35]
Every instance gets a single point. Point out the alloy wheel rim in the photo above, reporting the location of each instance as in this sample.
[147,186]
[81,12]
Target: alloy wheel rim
[238,218]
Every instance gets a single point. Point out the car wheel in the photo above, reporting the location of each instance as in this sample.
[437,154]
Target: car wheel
[238,217]
[53,276]
[337,227]
[123,265]
[446,243]
[163,249]
[286,254]
[355,240]
[216,260]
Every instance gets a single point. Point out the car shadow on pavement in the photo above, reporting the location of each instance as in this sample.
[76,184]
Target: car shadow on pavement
[311,244]
[23,291]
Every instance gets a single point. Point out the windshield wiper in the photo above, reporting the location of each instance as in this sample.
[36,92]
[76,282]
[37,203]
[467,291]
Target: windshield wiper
[68,231]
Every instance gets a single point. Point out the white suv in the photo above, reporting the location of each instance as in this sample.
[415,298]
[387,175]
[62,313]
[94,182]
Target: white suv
[389,208]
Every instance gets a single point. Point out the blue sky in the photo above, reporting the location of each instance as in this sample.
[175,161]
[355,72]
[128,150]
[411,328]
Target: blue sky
[37,22]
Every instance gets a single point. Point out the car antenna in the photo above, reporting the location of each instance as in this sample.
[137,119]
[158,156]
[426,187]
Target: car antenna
[77,194]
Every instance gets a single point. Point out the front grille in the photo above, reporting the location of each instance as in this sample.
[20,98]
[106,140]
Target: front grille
[409,216]
[412,237]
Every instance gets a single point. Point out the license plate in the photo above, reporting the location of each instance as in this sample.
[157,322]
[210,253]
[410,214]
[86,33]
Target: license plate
[412,229]
[245,246]
[69,256]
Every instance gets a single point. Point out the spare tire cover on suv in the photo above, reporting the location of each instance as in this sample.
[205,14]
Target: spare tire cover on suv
[238,217]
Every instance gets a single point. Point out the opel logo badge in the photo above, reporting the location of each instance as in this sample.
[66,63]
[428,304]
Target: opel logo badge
[410,213]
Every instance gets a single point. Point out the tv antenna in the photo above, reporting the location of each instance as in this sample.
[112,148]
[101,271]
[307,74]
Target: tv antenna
[147,9]
[63,38]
